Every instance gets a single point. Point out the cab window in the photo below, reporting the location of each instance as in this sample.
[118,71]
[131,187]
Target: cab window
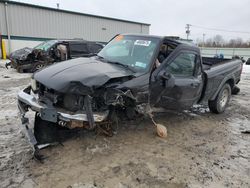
[78,49]
[182,65]
[95,48]
[133,51]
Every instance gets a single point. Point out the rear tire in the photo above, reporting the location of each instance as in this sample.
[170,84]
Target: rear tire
[219,104]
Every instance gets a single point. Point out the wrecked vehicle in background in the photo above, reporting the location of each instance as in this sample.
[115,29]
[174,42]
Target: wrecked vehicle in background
[131,74]
[49,52]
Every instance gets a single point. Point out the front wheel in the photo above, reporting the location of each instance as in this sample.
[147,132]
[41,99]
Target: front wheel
[37,67]
[47,132]
[219,104]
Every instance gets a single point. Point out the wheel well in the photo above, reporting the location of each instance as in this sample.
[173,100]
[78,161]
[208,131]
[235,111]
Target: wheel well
[231,83]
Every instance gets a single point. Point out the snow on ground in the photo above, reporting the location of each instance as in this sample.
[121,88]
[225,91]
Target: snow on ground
[246,69]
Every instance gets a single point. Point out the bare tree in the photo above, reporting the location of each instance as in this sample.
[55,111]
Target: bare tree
[248,43]
[199,42]
[239,42]
[218,40]
[231,43]
[209,42]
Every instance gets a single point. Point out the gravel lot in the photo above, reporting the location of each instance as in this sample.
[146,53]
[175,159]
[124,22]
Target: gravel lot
[202,149]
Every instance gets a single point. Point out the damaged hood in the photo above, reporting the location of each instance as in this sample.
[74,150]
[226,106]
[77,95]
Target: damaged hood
[83,73]
[21,54]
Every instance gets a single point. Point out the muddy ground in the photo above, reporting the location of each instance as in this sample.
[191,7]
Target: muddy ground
[202,149]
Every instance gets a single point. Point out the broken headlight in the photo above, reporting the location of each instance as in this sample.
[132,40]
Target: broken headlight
[33,84]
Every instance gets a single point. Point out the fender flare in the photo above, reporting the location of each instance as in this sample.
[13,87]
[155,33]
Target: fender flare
[228,79]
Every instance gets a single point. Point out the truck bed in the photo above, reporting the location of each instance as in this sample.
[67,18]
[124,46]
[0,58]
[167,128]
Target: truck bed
[218,71]
[208,62]
[213,60]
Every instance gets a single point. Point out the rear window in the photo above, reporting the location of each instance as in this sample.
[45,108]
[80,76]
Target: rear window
[95,48]
[78,49]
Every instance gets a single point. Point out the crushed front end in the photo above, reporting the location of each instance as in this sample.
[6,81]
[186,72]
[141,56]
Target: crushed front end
[79,108]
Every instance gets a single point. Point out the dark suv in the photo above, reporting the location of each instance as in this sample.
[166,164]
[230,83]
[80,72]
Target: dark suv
[52,51]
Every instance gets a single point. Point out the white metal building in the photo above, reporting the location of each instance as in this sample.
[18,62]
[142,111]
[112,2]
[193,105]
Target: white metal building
[24,24]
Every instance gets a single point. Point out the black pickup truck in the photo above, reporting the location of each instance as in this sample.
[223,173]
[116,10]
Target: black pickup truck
[129,75]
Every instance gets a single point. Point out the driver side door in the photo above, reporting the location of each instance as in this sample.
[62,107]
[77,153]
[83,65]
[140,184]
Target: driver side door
[177,85]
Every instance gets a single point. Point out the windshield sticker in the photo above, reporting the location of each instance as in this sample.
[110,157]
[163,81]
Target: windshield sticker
[140,64]
[142,42]
[119,37]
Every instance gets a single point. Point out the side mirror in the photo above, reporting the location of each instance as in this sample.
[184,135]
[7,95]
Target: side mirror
[165,76]
[168,80]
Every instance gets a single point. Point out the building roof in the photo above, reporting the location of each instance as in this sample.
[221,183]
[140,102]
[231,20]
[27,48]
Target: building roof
[71,12]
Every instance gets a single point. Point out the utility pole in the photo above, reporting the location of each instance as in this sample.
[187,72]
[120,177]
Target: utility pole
[188,30]
[203,39]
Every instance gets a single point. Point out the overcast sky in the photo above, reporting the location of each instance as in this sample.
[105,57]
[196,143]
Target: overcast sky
[169,17]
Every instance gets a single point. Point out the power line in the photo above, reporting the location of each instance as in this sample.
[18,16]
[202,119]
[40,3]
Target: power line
[225,35]
[223,30]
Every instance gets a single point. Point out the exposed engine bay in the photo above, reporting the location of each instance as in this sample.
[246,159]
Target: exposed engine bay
[98,109]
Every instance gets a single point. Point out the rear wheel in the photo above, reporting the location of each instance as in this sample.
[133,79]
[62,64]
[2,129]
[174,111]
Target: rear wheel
[221,101]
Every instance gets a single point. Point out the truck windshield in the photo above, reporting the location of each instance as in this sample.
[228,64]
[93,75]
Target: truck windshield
[133,51]
[46,45]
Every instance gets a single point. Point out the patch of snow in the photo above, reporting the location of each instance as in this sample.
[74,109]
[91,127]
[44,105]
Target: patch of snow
[246,69]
